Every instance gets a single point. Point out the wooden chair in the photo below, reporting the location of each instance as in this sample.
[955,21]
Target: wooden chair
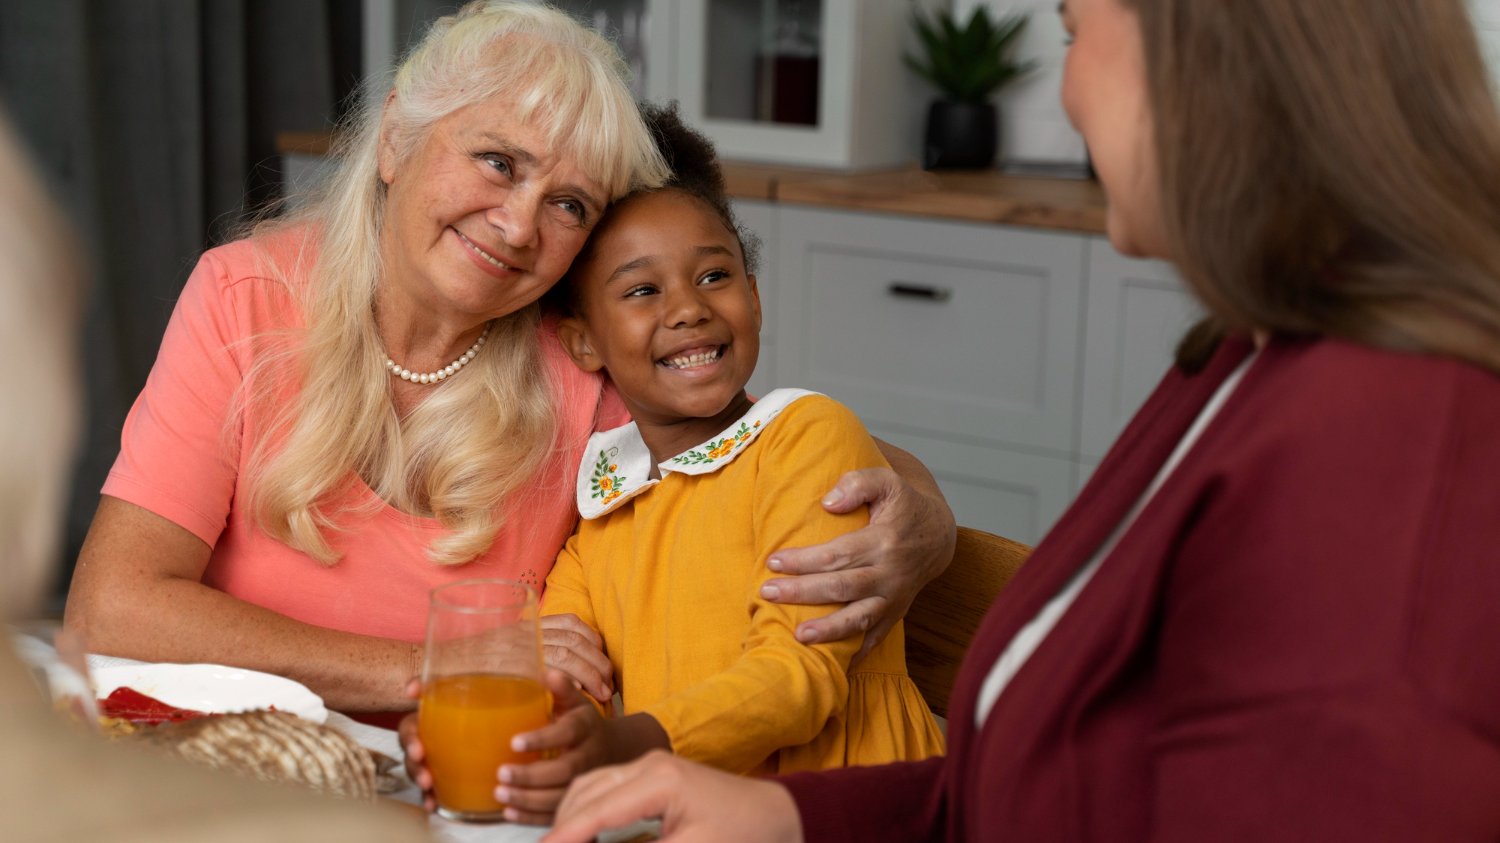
[946,613]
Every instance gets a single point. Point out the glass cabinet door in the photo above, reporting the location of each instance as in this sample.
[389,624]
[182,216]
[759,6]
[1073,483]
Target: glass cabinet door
[815,82]
[640,28]
[628,23]
[763,60]
[810,82]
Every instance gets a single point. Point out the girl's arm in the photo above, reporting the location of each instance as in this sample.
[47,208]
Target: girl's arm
[877,570]
[570,638]
[873,573]
[780,692]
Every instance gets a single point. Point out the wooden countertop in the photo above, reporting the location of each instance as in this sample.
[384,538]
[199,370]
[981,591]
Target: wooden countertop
[985,196]
[982,196]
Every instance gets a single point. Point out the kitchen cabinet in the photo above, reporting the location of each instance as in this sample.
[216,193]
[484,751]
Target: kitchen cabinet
[957,330]
[806,82]
[1007,359]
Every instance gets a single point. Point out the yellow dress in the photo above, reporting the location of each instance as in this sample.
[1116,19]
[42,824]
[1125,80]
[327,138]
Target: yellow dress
[669,573]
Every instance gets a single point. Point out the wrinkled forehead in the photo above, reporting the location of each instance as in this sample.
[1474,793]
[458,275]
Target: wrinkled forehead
[573,113]
[499,125]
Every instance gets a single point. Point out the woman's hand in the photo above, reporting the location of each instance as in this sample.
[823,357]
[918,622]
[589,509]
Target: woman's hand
[878,570]
[577,740]
[695,804]
[575,648]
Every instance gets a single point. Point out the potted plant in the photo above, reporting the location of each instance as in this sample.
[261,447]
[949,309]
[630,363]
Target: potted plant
[967,64]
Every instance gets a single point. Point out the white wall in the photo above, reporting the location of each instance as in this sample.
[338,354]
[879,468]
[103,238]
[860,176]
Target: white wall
[1487,21]
[1035,128]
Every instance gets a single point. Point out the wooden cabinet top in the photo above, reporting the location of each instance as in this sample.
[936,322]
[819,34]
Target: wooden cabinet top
[982,196]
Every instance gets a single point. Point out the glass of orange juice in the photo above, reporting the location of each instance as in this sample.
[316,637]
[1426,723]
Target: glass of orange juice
[481,685]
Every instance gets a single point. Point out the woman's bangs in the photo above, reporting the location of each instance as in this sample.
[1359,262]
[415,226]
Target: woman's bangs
[577,112]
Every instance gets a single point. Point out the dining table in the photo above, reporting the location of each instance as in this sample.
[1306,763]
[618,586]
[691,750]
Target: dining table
[38,652]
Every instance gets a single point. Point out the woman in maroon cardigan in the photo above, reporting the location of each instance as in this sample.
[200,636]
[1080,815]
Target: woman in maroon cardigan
[1274,612]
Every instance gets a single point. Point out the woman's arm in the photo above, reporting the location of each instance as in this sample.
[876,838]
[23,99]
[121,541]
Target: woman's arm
[137,592]
[894,802]
[878,570]
[694,802]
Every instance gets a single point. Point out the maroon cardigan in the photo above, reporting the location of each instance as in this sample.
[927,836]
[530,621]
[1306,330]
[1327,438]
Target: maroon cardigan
[1298,639]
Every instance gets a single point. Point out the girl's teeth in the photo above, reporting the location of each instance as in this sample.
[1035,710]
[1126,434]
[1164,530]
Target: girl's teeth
[692,360]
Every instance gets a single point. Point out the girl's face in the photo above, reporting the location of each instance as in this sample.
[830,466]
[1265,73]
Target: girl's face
[666,306]
[1105,94]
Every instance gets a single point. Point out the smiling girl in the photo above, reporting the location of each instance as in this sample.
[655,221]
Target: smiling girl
[681,506]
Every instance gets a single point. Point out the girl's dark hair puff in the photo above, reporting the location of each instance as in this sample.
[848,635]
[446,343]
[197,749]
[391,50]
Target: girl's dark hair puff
[695,171]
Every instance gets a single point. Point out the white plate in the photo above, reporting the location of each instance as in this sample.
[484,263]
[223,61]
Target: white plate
[213,688]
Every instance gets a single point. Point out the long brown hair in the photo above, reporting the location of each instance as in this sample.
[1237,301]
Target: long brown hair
[1330,167]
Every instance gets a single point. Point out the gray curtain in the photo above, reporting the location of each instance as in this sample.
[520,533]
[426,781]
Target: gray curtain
[154,122]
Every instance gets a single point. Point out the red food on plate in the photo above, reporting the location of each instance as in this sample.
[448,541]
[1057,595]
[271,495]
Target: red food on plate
[129,704]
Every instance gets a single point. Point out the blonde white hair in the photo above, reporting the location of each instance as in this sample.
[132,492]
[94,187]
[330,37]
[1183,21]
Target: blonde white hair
[38,312]
[474,443]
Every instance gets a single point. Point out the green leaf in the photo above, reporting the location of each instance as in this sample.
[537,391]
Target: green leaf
[967,62]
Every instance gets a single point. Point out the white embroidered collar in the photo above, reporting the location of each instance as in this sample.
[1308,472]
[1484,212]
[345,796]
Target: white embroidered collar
[617,464]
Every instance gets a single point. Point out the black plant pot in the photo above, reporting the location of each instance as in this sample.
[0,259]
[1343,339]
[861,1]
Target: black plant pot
[960,136]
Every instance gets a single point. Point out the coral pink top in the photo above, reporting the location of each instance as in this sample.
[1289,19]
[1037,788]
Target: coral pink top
[178,460]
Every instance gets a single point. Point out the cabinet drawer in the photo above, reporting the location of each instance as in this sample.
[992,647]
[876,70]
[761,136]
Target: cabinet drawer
[953,329]
[1011,493]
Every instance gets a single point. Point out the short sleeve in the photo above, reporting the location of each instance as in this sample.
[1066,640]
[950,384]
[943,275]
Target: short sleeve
[176,457]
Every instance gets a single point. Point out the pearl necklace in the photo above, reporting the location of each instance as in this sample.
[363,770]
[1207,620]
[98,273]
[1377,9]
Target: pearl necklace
[444,373]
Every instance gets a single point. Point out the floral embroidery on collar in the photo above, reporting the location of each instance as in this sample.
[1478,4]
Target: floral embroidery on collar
[604,483]
[616,464]
[716,449]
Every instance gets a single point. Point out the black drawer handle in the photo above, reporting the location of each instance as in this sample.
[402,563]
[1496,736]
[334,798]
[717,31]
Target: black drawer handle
[926,292]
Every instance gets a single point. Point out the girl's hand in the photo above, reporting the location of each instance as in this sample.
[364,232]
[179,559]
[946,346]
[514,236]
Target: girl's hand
[573,647]
[878,570]
[580,739]
[411,745]
[695,803]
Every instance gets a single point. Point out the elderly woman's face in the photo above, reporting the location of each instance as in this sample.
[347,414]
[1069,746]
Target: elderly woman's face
[484,216]
[1106,97]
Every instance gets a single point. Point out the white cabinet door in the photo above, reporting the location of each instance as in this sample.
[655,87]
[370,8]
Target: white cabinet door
[1014,494]
[739,63]
[956,330]
[1137,311]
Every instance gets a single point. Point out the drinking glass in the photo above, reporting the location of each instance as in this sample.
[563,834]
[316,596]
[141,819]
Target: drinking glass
[481,685]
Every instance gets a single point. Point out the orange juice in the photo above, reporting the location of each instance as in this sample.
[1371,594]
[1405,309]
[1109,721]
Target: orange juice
[466,723]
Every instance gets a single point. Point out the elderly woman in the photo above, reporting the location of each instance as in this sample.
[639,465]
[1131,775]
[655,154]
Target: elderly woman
[1271,615]
[364,401]
[55,782]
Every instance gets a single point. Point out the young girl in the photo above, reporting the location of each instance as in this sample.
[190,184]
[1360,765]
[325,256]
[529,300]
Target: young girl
[682,507]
